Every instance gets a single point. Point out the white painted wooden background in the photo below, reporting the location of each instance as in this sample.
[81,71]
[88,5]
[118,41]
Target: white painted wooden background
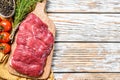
[87,45]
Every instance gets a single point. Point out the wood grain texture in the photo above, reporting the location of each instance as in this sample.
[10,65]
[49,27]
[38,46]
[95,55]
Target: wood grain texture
[83,6]
[86,57]
[91,26]
[87,27]
[87,76]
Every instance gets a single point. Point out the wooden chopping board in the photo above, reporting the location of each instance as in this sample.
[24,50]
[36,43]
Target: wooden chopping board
[40,12]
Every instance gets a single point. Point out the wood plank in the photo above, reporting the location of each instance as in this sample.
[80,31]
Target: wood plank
[87,76]
[87,27]
[83,6]
[86,57]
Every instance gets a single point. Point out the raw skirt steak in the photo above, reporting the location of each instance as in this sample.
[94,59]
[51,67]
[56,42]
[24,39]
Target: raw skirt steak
[34,43]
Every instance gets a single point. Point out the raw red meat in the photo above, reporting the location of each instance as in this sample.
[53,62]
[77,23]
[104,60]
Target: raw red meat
[34,43]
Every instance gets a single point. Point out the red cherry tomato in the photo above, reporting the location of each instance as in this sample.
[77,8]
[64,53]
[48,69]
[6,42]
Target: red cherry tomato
[5,25]
[5,48]
[4,37]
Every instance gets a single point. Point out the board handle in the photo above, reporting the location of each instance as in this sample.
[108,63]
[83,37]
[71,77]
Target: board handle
[41,7]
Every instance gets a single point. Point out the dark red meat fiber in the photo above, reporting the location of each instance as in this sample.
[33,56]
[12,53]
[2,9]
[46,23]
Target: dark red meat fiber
[34,43]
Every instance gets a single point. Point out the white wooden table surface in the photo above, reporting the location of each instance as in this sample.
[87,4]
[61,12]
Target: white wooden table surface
[87,45]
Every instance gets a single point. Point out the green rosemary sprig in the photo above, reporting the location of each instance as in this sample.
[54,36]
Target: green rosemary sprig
[23,7]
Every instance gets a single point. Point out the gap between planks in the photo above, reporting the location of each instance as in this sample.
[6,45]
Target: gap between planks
[87,41]
[83,12]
